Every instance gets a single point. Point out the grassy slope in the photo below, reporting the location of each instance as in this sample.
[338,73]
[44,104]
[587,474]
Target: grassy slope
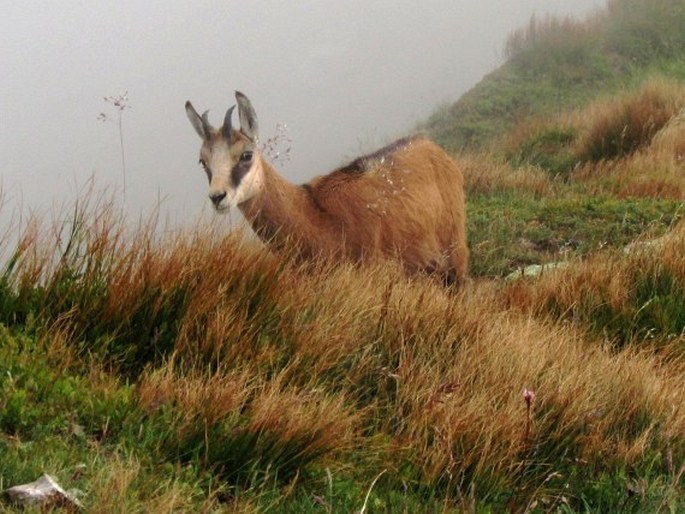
[554,65]
[208,376]
[201,374]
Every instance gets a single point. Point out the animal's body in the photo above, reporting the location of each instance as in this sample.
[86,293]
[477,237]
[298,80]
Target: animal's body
[404,202]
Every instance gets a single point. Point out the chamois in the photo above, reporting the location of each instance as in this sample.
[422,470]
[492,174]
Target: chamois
[405,201]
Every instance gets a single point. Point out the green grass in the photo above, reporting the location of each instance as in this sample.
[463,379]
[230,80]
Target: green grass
[549,149]
[555,65]
[489,111]
[87,429]
[512,230]
[297,399]
[625,300]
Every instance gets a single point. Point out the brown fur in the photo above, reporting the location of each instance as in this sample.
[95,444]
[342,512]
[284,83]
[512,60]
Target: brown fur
[403,202]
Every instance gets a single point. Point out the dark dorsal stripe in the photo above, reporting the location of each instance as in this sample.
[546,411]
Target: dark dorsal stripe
[361,164]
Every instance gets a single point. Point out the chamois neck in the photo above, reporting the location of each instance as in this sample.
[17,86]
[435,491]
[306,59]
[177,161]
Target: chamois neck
[283,213]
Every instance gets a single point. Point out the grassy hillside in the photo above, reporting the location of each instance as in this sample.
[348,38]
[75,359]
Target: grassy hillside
[200,373]
[555,65]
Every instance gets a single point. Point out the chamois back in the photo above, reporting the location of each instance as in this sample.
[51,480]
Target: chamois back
[403,201]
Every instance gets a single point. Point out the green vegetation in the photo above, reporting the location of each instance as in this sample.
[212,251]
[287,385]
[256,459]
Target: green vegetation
[606,130]
[548,148]
[514,230]
[200,373]
[556,65]
[294,390]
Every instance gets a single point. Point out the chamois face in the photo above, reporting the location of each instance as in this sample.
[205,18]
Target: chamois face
[233,170]
[230,157]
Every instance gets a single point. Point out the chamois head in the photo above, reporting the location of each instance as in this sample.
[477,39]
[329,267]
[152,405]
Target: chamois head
[229,156]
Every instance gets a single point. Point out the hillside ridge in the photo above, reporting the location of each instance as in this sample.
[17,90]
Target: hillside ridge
[558,64]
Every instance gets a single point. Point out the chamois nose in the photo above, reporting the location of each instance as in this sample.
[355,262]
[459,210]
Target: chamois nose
[217,197]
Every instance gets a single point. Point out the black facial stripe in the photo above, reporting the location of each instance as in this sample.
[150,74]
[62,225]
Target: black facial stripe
[206,170]
[239,171]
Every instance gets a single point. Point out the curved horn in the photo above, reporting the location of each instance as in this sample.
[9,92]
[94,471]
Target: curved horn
[206,126]
[227,128]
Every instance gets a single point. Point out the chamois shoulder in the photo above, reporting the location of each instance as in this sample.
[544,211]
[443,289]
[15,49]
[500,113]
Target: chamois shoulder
[371,161]
[363,167]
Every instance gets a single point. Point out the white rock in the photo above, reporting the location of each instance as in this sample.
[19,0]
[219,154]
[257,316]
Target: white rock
[535,270]
[45,490]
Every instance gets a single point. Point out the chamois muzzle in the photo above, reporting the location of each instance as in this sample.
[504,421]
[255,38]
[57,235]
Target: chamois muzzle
[217,197]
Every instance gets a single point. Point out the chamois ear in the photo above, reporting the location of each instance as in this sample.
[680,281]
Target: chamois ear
[199,123]
[248,117]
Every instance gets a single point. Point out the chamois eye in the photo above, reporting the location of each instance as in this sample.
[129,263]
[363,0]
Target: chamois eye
[206,168]
[246,156]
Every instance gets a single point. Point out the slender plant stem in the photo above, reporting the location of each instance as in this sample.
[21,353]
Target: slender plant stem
[123,156]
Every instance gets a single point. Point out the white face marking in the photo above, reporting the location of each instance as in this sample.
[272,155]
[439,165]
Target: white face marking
[226,168]
[220,163]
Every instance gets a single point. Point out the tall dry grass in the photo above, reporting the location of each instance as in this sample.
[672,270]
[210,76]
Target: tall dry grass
[259,368]
[646,174]
[605,130]
[484,175]
[629,145]
[654,171]
[631,296]
[621,126]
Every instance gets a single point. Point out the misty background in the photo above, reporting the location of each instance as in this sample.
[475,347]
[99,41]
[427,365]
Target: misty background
[344,77]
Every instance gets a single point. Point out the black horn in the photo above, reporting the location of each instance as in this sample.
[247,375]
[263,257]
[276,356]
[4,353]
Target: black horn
[206,126]
[228,128]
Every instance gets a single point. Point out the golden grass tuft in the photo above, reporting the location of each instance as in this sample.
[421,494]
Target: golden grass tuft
[483,175]
[671,138]
[210,398]
[120,485]
[628,145]
[623,125]
[462,406]
[641,175]
[612,128]
[608,279]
